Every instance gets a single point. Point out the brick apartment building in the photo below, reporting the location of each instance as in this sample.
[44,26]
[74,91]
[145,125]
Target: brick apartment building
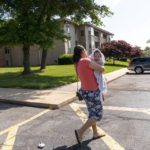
[88,35]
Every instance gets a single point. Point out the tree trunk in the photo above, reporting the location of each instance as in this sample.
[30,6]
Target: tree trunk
[43,60]
[26,59]
[113,61]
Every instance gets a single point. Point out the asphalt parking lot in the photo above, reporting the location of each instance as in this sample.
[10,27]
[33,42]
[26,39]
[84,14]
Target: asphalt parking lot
[126,121]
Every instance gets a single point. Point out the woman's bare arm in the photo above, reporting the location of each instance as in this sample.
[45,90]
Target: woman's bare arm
[97,67]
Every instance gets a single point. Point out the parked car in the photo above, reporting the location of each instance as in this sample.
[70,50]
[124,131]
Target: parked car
[140,64]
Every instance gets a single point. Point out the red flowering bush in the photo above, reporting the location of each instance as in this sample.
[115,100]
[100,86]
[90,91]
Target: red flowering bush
[120,49]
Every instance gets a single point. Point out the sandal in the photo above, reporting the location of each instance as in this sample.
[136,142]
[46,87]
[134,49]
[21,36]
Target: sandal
[77,137]
[98,137]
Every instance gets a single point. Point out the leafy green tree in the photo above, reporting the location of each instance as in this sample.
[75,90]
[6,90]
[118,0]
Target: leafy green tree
[148,41]
[146,51]
[147,48]
[36,22]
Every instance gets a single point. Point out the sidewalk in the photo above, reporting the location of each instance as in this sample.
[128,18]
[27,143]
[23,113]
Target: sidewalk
[53,99]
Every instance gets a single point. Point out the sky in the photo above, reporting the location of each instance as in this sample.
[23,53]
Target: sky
[130,22]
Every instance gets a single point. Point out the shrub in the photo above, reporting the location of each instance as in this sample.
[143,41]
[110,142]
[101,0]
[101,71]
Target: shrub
[65,59]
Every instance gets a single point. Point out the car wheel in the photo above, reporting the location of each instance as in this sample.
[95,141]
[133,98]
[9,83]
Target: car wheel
[138,70]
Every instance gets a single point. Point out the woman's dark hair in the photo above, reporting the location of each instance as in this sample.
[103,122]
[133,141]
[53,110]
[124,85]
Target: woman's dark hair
[77,53]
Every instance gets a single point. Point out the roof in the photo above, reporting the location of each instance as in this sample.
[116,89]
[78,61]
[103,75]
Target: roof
[89,24]
[98,28]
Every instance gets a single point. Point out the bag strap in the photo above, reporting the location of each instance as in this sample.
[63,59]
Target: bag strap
[77,82]
[77,77]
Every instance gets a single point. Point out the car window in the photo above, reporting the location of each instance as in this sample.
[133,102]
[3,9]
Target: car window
[143,60]
[147,59]
[136,60]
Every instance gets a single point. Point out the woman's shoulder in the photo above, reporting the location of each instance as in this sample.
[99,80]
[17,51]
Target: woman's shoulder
[85,59]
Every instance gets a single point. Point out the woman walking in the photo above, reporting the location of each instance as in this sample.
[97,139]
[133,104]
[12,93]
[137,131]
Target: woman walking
[89,91]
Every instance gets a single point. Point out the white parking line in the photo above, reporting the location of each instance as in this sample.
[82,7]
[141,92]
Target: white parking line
[140,110]
[108,140]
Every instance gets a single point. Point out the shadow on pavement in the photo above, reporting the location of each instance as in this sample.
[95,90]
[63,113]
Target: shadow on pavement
[4,106]
[84,146]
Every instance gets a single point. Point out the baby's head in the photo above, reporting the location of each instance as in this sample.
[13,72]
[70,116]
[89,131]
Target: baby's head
[97,55]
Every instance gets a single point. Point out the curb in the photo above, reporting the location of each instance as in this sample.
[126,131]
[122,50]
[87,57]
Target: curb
[56,105]
[51,99]
[116,74]
[39,105]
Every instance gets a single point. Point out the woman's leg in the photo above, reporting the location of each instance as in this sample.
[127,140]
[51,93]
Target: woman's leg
[96,134]
[88,124]
[95,131]
[95,110]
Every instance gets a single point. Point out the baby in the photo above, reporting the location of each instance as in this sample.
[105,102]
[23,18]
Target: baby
[99,58]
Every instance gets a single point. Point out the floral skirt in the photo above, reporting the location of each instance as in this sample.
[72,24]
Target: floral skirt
[94,103]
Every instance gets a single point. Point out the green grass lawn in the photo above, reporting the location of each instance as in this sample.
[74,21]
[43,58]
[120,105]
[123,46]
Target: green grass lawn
[53,76]
[118,65]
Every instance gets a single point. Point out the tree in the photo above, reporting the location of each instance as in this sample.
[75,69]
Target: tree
[136,52]
[124,47]
[148,41]
[146,51]
[43,59]
[120,49]
[147,48]
[26,26]
[30,22]
[111,50]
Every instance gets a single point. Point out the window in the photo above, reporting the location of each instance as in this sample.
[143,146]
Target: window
[67,28]
[138,60]
[96,33]
[82,32]
[143,60]
[97,45]
[147,59]
[104,36]
[7,51]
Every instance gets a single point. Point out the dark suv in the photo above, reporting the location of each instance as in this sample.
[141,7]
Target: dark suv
[140,64]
